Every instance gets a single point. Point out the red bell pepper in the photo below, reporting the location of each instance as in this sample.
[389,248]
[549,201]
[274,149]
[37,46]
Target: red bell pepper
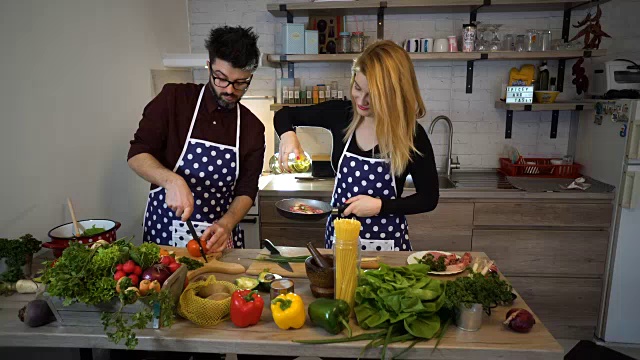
[246,307]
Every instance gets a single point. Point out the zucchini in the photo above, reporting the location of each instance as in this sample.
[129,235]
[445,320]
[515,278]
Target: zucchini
[246,283]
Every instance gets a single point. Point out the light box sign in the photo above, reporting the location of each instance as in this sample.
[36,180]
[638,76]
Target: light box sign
[519,94]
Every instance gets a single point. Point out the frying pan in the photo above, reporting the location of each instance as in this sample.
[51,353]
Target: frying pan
[284,205]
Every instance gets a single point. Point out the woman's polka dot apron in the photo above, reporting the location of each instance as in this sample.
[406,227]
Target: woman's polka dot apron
[210,170]
[359,175]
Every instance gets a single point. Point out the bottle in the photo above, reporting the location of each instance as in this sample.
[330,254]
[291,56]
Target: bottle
[301,165]
[334,90]
[291,98]
[285,95]
[303,96]
[321,93]
[315,95]
[327,93]
[309,95]
[552,84]
[296,95]
[543,79]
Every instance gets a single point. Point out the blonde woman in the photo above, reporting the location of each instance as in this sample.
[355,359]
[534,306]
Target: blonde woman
[377,143]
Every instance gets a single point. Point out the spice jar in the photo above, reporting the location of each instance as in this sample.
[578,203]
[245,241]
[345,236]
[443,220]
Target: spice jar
[344,43]
[531,41]
[357,41]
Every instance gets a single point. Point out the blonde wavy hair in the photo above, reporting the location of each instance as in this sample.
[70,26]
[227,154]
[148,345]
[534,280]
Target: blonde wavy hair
[395,100]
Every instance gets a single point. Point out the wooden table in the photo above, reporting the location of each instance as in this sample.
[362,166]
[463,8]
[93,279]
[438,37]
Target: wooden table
[492,341]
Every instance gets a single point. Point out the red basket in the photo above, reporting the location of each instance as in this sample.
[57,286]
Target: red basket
[538,167]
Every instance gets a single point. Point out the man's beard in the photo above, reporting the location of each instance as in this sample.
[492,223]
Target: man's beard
[224,103]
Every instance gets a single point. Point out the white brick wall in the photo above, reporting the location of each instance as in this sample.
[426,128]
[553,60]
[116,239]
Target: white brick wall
[478,127]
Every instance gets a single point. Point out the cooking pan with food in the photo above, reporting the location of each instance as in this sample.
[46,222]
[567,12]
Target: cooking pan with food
[307,209]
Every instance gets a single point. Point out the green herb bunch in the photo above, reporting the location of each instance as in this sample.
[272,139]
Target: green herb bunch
[488,290]
[434,265]
[15,253]
[190,263]
[85,275]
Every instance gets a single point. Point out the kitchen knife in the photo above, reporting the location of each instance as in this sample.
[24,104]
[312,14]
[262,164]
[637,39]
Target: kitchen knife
[195,236]
[272,249]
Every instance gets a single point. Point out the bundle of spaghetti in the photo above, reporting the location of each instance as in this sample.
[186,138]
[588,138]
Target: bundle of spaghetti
[346,253]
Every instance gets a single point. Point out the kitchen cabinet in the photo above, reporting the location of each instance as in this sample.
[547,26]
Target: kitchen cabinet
[553,252]
[448,227]
[552,246]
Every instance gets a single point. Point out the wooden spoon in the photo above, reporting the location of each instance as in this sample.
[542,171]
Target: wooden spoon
[76,225]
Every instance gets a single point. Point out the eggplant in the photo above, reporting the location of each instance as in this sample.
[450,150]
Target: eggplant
[36,313]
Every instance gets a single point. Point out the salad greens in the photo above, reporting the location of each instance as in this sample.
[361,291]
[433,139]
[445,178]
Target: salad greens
[434,265]
[403,301]
[145,255]
[93,231]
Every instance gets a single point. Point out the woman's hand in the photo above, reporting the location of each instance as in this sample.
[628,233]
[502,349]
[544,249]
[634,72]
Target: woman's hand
[363,206]
[289,143]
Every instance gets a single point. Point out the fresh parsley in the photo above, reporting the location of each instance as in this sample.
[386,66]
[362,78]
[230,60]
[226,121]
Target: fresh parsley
[488,290]
[434,265]
[190,263]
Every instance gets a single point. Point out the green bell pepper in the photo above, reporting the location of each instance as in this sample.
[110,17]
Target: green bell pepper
[331,315]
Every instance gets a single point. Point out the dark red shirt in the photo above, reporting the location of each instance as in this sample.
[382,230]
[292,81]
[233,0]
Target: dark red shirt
[165,125]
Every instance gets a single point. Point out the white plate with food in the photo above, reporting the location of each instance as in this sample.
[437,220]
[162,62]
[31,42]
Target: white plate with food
[444,263]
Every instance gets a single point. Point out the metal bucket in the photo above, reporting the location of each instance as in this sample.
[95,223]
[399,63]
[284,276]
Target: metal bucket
[469,319]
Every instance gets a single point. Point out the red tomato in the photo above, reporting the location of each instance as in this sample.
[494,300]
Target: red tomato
[118,275]
[138,270]
[174,266]
[129,267]
[165,260]
[119,267]
[194,249]
[134,279]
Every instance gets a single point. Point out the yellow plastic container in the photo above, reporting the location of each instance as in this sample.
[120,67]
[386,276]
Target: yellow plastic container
[546,97]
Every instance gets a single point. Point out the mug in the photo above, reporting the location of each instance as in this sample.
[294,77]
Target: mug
[426,45]
[412,45]
[441,45]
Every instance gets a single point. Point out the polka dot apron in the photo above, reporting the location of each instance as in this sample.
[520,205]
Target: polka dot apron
[210,170]
[359,175]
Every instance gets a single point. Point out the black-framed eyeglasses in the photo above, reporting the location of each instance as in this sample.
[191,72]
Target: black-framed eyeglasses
[240,85]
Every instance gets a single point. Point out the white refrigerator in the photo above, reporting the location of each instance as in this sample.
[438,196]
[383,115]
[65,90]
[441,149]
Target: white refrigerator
[607,144]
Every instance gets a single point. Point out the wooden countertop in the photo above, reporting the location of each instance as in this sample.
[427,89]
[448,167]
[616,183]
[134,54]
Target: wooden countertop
[492,341]
[288,185]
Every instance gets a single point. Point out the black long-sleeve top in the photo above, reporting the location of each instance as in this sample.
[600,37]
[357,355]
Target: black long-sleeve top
[335,116]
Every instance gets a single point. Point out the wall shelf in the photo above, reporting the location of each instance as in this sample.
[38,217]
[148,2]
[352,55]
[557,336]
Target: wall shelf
[446,56]
[367,7]
[276,107]
[568,106]
[555,109]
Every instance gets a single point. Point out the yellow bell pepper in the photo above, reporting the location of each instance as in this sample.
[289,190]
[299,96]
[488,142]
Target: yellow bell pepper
[288,311]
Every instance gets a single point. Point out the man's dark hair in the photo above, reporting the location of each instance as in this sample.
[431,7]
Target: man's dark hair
[235,45]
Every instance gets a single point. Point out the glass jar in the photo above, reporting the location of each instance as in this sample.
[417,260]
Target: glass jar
[301,165]
[357,41]
[545,40]
[346,255]
[509,43]
[519,46]
[344,43]
[532,41]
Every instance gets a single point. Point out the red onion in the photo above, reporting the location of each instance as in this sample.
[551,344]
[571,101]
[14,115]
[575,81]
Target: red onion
[156,272]
[519,320]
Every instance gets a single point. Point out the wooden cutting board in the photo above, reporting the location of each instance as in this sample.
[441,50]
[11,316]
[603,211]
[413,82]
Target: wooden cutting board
[213,266]
[299,270]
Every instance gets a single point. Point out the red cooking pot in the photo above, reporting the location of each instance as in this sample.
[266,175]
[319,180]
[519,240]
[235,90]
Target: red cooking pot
[61,235]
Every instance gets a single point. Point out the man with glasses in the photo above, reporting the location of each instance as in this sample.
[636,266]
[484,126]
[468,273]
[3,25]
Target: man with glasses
[201,150]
